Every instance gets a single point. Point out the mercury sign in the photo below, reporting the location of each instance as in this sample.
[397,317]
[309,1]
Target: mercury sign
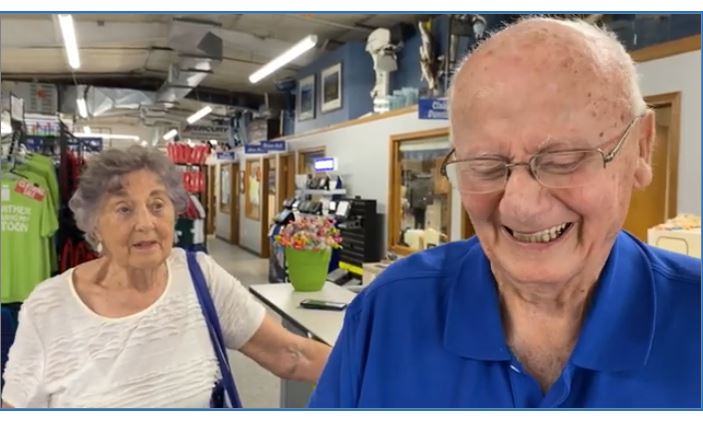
[205,132]
[432,108]
[325,164]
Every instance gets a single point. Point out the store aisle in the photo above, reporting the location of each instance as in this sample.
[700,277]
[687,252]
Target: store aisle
[257,387]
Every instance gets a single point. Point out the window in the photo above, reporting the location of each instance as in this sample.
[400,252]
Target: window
[420,205]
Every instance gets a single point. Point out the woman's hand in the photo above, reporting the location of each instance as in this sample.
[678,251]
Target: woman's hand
[286,354]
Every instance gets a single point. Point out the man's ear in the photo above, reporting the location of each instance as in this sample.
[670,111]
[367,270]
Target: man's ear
[646,133]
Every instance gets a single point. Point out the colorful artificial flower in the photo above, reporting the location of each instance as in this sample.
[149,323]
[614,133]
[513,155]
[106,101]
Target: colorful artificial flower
[310,233]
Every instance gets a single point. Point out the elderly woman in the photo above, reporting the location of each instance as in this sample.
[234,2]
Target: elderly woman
[126,329]
[552,305]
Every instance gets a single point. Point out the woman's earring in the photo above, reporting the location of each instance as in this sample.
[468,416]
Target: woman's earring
[99,248]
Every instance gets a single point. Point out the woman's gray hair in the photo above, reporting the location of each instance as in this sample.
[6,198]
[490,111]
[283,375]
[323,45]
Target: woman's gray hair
[103,175]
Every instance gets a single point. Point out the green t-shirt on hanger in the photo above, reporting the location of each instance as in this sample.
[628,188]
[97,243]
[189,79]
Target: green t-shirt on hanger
[46,166]
[40,180]
[26,221]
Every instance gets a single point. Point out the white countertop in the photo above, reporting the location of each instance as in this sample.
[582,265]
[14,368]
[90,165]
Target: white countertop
[323,324]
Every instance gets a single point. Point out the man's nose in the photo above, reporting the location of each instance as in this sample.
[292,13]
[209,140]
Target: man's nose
[524,198]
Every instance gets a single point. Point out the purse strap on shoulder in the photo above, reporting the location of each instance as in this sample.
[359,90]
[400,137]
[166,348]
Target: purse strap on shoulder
[213,324]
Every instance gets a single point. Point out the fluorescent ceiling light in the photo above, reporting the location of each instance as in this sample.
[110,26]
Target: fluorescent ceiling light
[86,129]
[68,32]
[300,48]
[82,107]
[170,134]
[144,143]
[199,115]
[107,136]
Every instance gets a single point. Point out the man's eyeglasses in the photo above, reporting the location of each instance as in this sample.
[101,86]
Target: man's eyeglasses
[559,169]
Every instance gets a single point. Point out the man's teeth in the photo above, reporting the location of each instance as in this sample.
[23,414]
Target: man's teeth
[546,235]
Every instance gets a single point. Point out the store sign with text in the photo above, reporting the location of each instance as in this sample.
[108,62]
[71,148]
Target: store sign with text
[206,132]
[228,156]
[254,149]
[274,146]
[433,108]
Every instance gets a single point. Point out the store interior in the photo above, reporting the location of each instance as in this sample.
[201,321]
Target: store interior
[353,128]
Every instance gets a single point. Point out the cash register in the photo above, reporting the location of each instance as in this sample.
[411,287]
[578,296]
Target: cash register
[349,221]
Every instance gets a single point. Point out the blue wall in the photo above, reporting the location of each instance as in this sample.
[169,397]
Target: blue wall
[357,80]
[408,73]
[358,77]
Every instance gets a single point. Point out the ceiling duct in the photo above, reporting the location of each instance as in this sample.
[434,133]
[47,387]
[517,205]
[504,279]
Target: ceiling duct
[199,51]
[101,102]
[104,100]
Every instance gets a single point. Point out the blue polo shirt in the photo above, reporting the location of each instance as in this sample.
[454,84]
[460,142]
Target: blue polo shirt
[428,333]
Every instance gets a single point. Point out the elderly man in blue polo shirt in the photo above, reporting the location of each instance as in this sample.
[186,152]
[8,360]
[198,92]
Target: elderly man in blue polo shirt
[552,305]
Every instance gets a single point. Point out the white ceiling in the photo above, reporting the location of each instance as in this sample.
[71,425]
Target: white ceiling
[133,47]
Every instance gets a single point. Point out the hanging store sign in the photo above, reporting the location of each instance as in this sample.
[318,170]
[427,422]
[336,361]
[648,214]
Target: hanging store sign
[274,146]
[206,132]
[254,149]
[433,108]
[43,98]
[228,156]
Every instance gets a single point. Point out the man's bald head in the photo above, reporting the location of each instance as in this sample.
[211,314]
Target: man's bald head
[540,63]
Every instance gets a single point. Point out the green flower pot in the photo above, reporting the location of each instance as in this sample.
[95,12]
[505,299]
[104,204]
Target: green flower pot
[307,269]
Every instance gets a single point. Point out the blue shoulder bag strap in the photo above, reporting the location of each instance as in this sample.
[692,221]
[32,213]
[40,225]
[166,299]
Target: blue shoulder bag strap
[213,325]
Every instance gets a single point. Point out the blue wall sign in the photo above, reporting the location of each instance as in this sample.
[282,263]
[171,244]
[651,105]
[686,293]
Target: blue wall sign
[274,146]
[254,149]
[432,108]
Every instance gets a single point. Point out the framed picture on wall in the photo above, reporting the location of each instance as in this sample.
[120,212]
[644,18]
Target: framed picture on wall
[306,98]
[252,189]
[331,88]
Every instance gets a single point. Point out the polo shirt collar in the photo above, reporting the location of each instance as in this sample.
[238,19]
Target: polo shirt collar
[473,327]
[619,328]
[618,331]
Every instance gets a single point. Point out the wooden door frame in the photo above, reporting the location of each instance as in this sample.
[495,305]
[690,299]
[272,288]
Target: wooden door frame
[394,185]
[672,99]
[287,159]
[211,204]
[264,206]
[467,229]
[234,202]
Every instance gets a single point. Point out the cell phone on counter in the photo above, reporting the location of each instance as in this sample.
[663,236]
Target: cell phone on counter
[322,304]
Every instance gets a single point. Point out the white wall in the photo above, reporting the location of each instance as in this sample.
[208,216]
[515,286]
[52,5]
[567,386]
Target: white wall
[681,73]
[363,153]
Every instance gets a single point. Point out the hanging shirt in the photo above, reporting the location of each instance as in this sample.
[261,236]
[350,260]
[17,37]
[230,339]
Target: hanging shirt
[27,220]
[40,180]
[45,166]
[428,333]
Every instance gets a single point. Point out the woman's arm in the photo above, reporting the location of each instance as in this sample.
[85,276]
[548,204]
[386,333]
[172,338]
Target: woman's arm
[286,354]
